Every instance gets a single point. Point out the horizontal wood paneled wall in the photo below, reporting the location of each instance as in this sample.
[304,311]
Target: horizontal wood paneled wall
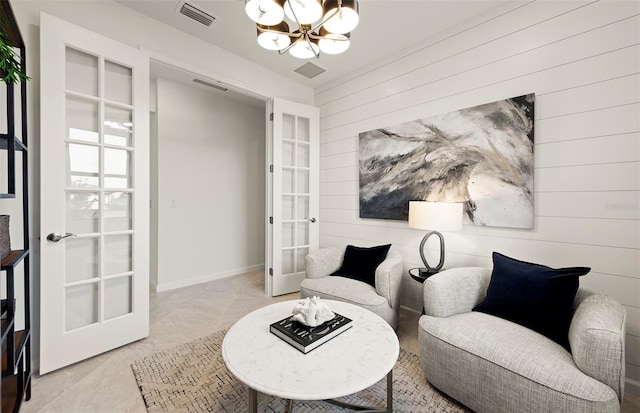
[582,60]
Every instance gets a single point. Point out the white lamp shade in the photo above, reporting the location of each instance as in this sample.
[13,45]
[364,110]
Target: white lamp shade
[266,12]
[435,216]
[306,11]
[344,19]
[303,49]
[333,43]
[271,40]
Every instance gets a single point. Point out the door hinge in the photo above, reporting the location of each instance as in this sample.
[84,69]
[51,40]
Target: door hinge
[271,272]
[270,220]
[271,168]
[271,116]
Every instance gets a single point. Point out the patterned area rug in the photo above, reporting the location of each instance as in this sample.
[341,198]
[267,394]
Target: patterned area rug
[192,377]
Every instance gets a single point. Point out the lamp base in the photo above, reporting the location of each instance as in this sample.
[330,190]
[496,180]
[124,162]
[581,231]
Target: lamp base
[427,272]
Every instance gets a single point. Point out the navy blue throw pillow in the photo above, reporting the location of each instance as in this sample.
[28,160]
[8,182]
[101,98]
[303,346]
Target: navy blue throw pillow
[533,295]
[360,263]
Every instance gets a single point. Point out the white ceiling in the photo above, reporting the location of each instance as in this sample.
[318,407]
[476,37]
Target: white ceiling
[385,28]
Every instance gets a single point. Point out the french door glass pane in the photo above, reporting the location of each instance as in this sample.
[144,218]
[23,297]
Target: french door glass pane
[84,164]
[81,306]
[303,129]
[287,180]
[83,212]
[118,251]
[288,261]
[301,254]
[81,259]
[303,207]
[303,233]
[302,155]
[287,207]
[118,83]
[288,127]
[81,72]
[288,154]
[117,211]
[118,298]
[288,234]
[82,119]
[117,164]
[118,126]
[303,181]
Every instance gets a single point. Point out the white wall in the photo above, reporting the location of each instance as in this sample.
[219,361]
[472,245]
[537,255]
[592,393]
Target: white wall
[210,194]
[582,60]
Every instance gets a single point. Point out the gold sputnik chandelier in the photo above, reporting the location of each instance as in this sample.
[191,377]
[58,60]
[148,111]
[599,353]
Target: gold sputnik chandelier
[323,25]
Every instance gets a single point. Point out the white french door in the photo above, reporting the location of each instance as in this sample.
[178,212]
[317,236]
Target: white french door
[294,196]
[94,278]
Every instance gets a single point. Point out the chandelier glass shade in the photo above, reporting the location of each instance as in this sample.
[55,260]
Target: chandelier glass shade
[274,37]
[303,12]
[342,17]
[322,25]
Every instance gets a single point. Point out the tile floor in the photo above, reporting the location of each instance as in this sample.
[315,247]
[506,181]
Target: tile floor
[105,383]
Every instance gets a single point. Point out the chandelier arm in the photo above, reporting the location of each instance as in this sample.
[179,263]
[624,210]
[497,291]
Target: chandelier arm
[286,49]
[319,37]
[261,30]
[316,53]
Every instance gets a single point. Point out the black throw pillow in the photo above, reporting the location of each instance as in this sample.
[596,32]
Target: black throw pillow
[360,263]
[533,295]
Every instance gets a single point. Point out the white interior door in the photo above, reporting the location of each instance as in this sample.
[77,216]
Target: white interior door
[295,191]
[94,293]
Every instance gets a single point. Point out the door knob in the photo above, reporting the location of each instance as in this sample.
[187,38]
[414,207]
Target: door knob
[55,237]
[312,220]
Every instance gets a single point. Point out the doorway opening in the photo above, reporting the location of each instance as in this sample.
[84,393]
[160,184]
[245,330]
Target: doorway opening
[208,165]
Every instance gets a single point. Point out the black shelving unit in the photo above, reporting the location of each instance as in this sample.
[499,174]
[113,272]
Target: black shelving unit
[16,344]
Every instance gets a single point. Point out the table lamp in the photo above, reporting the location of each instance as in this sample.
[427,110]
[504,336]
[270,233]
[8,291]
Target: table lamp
[434,216]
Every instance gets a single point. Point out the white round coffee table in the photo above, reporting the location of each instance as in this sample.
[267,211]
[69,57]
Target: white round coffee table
[346,364]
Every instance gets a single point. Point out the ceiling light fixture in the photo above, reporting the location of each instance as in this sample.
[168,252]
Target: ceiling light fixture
[323,25]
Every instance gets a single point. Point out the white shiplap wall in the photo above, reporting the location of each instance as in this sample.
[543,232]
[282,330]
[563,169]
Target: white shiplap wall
[582,60]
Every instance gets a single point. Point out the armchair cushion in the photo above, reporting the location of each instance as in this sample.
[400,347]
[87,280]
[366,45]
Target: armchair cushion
[360,263]
[533,295]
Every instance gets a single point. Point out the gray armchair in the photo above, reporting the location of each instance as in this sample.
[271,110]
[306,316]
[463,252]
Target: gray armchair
[382,300]
[493,365]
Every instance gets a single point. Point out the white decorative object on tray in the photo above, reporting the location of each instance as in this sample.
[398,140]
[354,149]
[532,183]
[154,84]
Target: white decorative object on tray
[312,312]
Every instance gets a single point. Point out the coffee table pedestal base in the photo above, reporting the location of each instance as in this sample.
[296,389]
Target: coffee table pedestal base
[253,401]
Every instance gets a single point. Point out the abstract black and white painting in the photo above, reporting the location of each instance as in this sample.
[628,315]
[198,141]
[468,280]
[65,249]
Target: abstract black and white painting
[482,156]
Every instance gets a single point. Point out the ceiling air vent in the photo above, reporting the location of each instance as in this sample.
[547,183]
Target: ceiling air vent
[196,13]
[202,82]
[309,70]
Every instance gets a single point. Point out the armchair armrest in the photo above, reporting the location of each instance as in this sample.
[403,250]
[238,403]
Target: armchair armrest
[323,262]
[596,336]
[455,291]
[389,277]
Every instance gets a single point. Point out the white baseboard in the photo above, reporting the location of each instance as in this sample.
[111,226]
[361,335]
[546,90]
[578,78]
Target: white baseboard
[632,387]
[205,278]
[413,310]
